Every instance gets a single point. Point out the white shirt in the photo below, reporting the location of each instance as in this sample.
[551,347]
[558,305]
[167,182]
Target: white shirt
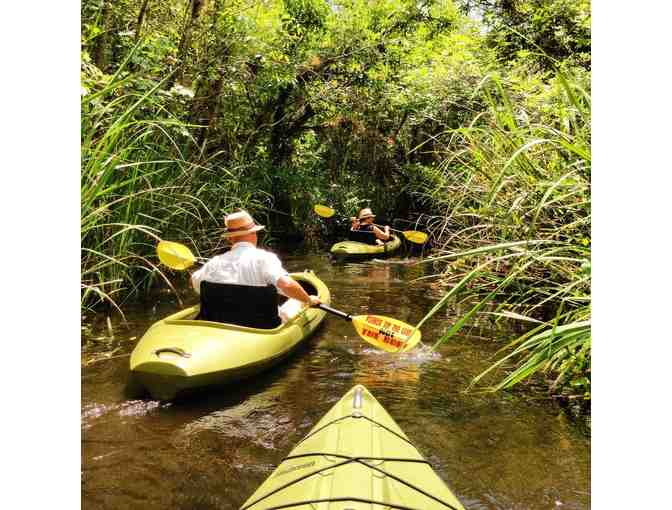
[244,264]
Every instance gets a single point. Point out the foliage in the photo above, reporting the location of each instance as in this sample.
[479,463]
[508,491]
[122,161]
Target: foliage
[545,31]
[517,185]
[135,183]
[470,119]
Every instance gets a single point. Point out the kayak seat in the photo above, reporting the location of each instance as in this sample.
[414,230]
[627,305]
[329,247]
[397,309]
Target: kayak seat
[243,305]
[362,237]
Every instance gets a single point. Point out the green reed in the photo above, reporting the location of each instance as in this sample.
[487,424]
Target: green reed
[513,227]
[136,186]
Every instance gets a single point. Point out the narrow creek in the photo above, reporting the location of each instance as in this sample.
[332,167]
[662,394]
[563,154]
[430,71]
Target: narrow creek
[496,451]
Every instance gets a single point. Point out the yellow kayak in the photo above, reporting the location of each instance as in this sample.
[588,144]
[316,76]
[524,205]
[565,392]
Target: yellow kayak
[355,458]
[356,250]
[179,353]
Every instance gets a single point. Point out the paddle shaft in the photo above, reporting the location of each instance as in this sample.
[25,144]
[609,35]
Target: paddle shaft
[392,229]
[329,309]
[406,233]
[199,260]
[372,232]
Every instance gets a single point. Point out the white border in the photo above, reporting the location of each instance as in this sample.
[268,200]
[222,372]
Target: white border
[632,192]
[40,211]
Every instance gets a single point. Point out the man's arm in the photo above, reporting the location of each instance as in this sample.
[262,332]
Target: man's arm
[384,235]
[292,289]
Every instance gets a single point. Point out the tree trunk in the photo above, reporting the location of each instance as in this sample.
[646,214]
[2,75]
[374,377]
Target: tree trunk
[183,48]
[208,109]
[99,52]
[206,104]
[141,17]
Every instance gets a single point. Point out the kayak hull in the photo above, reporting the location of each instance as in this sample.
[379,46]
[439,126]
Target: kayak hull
[355,458]
[178,355]
[352,250]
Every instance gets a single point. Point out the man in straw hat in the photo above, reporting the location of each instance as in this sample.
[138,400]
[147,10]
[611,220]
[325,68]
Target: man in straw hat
[247,267]
[364,223]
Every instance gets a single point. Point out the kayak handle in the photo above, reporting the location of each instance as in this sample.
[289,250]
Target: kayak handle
[329,309]
[174,350]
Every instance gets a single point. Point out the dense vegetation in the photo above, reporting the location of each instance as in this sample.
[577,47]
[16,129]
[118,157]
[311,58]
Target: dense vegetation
[467,119]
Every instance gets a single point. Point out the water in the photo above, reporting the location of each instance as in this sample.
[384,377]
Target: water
[501,451]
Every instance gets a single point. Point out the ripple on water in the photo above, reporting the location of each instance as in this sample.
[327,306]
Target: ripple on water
[261,420]
[93,411]
[141,407]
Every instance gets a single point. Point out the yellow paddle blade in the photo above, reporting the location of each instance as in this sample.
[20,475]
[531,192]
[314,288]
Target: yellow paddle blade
[324,211]
[415,237]
[386,333]
[175,255]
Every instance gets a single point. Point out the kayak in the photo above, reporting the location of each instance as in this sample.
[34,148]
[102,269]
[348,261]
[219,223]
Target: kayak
[179,354]
[355,250]
[355,458]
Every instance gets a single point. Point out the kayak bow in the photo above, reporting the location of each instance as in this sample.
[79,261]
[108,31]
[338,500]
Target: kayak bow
[355,458]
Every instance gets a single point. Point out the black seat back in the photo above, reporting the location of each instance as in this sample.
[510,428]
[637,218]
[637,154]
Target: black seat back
[243,305]
[362,237]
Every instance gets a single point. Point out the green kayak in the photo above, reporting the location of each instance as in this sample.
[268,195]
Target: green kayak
[355,458]
[179,354]
[354,250]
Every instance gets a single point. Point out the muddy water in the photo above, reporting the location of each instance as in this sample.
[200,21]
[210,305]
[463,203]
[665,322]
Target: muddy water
[498,451]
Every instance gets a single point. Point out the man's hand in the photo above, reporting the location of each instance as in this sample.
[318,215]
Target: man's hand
[314,301]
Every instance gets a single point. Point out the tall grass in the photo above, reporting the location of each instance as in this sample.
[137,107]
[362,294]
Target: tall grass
[137,185]
[513,227]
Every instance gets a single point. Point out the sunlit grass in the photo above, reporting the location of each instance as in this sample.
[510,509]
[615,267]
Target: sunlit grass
[136,187]
[513,213]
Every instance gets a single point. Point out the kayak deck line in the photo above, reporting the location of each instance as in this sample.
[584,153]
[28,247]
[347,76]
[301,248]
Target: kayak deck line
[357,458]
[347,460]
[353,499]
[357,415]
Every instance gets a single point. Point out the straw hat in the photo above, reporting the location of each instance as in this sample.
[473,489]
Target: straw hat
[366,213]
[239,224]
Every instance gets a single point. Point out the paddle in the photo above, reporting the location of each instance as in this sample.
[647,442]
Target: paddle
[176,255]
[386,333]
[412,235]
